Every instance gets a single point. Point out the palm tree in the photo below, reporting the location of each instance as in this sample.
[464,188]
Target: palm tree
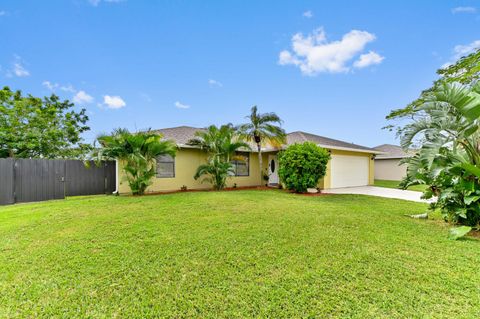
[137,151]
[448,160]
[262,129]
[221,143]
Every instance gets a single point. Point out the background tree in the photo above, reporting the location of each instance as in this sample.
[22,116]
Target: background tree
[137,152]
[32,127]
[221,144]
[465,71]
[262,129]
[301,166]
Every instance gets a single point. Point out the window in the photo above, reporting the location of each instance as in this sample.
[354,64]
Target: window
[165,166]
[241,164]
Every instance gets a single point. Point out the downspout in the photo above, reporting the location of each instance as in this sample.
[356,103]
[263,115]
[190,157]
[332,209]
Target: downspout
[115,192]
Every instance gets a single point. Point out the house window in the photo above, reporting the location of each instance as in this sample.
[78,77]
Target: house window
[165,166]
[241,164]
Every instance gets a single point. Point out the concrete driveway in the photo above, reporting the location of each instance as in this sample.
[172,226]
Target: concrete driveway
[381,192]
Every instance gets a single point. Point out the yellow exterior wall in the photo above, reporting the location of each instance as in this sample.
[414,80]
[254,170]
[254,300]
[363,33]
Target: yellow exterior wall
[186,163]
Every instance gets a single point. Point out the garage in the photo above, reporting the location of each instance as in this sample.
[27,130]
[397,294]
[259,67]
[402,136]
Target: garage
[349,170]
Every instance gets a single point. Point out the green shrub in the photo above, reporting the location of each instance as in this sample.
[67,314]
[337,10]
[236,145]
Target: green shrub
[301,166]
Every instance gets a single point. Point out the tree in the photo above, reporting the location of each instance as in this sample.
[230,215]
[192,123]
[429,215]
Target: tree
[262,129]
[221,144]
[465,71]
[448,159]
[138,152]
[301,166]
[32,127]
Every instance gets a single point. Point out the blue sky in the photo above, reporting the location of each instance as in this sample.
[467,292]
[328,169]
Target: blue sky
[331,68]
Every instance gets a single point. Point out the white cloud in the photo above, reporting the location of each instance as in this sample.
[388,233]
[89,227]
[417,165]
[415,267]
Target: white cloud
[213,83]
[113,102]
[179,105]
[462,50]
[308,14]
[82,97]
[313,54]
[18,69]
[464,10]
[368,59]
[49,85]
[95,3]
[68,88]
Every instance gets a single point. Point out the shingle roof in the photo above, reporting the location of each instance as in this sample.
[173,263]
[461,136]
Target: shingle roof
[300,137]
[391,151]
[182,134]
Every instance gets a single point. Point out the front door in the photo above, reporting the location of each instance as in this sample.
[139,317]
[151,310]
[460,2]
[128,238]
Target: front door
[272,170]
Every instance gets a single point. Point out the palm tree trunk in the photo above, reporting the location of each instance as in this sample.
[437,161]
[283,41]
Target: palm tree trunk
[259,148]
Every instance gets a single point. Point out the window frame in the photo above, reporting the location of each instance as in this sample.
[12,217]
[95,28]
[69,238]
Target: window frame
[235,163]
[172,161]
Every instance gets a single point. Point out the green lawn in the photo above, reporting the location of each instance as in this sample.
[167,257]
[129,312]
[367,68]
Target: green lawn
[233,255]
[394,184]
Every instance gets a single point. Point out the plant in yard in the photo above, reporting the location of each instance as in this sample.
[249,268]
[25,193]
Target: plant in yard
[137,152]
[47,127]
[301,166]
[221,144]
[448,159]
[262,128]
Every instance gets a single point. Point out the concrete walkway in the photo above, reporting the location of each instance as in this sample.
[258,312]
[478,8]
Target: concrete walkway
[381,192]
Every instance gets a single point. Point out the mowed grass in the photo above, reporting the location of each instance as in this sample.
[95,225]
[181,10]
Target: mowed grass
[233,255]
[394,184]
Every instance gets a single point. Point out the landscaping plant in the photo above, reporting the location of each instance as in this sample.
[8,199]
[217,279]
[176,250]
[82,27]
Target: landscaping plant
[262,129]
[221,144]
[137,152]
[301,166]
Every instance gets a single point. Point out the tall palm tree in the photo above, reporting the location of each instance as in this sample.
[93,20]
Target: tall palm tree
[262,129]
[221,144]
[137,151]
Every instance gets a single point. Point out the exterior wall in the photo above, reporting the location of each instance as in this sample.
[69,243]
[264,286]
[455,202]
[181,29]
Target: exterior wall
[389,169]
[186,163]
[325,183]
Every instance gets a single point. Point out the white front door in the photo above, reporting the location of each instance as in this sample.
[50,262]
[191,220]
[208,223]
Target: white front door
[272,169]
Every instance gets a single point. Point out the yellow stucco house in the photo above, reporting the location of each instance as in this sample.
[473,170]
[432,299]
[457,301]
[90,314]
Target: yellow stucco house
[350,165]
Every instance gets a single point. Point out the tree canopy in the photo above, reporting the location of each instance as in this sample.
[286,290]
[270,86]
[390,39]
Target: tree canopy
[32,127]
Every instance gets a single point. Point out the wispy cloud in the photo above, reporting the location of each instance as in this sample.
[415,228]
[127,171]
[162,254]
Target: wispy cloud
[49,85]
[3,12]
[146,97]
[95,3]
[314,54]
[18,69]
[308,14]
[462,50]
[214,83]
[82,97]
[113,102]
[464,10]
[179,105]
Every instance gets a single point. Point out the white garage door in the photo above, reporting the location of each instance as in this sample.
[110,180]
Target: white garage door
[349,171]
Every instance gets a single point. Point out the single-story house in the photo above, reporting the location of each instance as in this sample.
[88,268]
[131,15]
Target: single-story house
[387,165]
[350,165]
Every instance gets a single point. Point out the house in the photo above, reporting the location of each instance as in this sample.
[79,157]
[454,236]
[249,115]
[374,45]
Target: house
[350,165]
[387,165]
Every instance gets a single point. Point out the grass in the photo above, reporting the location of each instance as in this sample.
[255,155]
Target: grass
[233,255]
[394,184]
